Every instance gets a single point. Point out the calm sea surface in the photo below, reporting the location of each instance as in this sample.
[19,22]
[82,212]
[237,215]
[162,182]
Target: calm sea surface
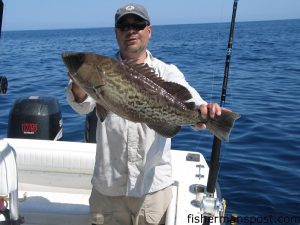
[260,166]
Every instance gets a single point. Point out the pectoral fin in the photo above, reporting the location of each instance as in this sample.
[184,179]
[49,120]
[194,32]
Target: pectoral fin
[101,112]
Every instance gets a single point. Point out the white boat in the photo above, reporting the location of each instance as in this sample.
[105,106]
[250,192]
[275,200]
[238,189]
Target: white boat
[51,180]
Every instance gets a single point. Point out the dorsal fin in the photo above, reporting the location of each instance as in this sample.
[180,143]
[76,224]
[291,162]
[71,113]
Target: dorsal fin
[175,89]
[190,105]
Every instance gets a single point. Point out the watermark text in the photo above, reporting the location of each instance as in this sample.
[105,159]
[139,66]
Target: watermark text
[246,220]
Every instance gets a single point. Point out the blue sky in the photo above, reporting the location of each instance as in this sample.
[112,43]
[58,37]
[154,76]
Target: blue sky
[58,14]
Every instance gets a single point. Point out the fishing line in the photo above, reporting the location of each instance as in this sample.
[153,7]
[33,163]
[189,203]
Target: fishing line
[228,78]
[218,38]
[222,18]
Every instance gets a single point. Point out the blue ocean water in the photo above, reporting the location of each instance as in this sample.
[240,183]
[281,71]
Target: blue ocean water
[260,166]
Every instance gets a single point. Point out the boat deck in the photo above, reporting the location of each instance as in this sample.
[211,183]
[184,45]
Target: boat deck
[54,182]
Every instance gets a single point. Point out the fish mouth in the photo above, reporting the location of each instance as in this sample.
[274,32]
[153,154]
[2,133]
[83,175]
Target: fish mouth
[73,61]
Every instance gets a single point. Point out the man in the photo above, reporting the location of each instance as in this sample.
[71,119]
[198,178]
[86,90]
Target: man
[133,174]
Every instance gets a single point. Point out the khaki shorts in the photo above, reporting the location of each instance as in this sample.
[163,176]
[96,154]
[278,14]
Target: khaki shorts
[123,210]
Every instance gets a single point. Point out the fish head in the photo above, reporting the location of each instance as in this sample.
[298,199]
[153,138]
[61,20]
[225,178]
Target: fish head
[85,69]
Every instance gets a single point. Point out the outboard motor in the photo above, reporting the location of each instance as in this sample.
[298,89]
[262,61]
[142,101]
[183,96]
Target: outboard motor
[91,127]
[35,117]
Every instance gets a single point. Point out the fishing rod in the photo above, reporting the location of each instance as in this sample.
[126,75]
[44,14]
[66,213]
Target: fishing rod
[216,147]
[3,80]
[1,15]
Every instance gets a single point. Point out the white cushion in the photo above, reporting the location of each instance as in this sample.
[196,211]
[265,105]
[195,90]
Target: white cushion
[54,156]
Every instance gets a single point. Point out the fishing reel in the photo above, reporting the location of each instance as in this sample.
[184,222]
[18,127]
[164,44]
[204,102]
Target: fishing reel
[3,84]
[210,206]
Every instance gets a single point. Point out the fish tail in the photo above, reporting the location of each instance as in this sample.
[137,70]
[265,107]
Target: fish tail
[221,126]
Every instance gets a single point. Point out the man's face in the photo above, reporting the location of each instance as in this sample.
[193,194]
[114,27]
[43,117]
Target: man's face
[133,34]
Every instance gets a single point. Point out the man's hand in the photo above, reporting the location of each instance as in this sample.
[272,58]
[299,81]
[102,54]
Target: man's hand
[210,110]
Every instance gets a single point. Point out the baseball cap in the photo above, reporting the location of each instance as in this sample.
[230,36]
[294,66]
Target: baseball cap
[132,8]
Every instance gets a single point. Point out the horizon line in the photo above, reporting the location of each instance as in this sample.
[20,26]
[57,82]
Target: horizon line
[83,28]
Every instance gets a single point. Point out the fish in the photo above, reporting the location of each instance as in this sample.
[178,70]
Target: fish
[133,91]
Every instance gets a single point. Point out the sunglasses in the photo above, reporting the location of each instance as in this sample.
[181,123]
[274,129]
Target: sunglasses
[125,26]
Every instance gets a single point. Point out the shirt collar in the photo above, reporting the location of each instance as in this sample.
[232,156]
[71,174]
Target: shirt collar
[148,59]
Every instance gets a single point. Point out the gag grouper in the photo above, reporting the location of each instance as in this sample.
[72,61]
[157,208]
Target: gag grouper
[134,92]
